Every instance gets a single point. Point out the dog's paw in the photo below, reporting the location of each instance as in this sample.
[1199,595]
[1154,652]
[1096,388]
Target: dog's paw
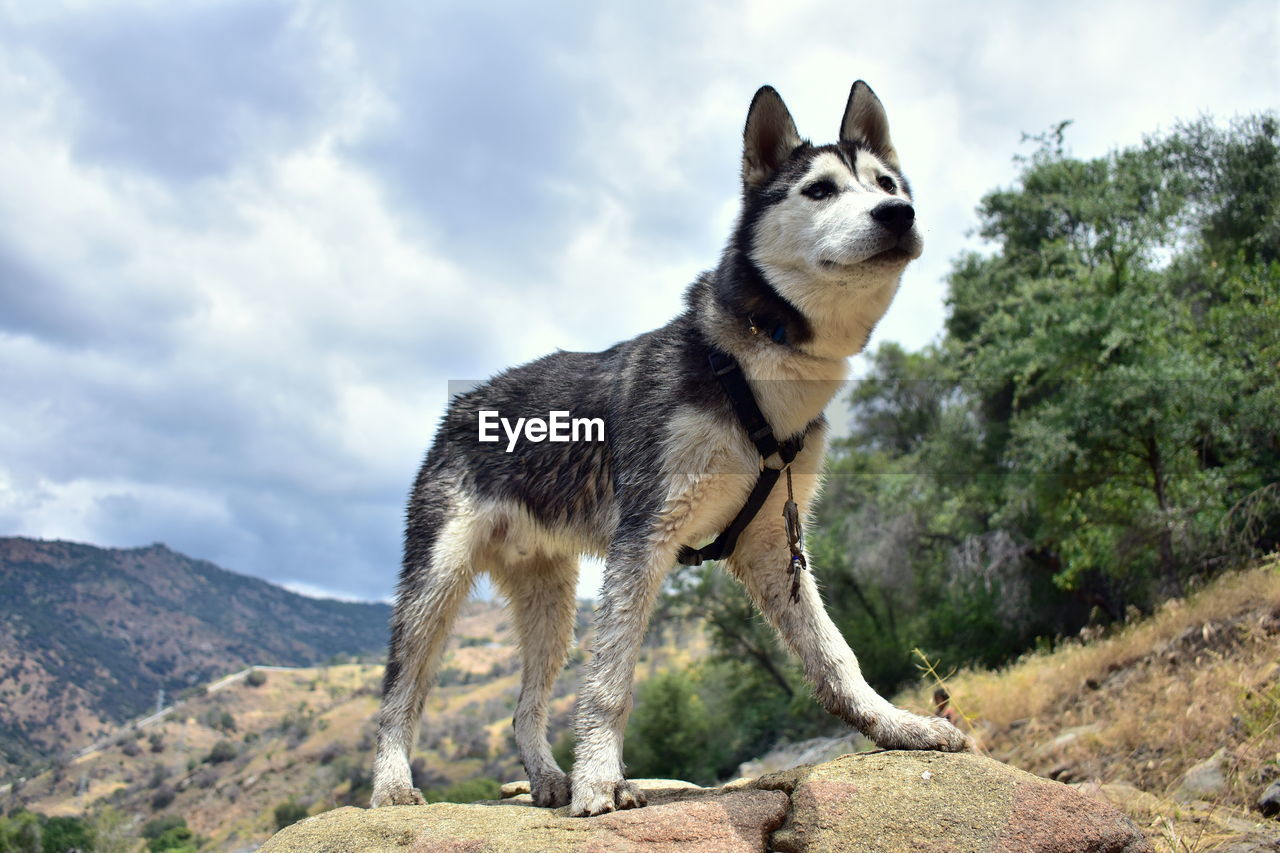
[550,790]
[629,796]
[396,796]
[910,731]
[596,798]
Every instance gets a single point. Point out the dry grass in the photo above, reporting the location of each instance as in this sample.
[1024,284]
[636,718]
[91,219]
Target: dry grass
[1129,714]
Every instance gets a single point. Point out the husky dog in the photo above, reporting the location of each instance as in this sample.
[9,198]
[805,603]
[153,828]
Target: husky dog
[815,258]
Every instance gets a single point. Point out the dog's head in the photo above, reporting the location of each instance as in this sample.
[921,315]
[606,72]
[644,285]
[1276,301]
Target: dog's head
[825,223]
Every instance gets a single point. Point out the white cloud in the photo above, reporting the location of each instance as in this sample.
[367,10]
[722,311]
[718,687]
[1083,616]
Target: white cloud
[244,353]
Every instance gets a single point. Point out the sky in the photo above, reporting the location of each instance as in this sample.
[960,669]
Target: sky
[245,246]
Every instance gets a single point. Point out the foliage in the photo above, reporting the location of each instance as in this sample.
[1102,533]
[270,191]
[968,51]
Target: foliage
[159,826]
[288,813]
[464,792]
[21,832]
[1118,357]
[112,831]
[220,719]
[699,723]
[61,834]
[177,839]
[669,732]
[28,832]
[223,750]
[162,798]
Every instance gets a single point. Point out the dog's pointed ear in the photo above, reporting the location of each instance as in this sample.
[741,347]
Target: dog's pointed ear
[769,137]
[865,123]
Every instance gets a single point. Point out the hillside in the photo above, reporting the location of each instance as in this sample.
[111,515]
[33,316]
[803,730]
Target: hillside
[232,753]
[1176,718]
[89,637]
[1123,717]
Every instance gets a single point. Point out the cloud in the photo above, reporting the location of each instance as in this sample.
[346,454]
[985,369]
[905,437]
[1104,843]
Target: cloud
[245,246]
[186,91]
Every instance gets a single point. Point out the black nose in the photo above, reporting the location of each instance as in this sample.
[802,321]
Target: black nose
[895,214]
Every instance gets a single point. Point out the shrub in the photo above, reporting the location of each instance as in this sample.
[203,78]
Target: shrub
[288,813]
[162,798]
[66,833]
[157,827]
[179,839]
[223,750]
[464,792]
[332,751]
[669,730]
[158,774]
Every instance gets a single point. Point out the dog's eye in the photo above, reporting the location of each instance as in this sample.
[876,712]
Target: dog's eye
[887,184]
[819,190]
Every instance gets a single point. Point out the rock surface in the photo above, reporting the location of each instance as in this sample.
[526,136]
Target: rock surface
[880,802]
[1269,800]
[1204,781]
[813,751]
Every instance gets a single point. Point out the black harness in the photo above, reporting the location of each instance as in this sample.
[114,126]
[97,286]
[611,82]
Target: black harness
[731,378]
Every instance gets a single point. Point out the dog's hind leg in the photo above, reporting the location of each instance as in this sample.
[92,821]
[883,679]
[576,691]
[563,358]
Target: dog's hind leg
[437,577]
[760,563]
[542,596]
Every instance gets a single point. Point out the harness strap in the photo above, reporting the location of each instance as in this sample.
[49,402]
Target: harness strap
[731,378]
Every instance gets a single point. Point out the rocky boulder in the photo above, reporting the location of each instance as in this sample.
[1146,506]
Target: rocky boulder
[871,802]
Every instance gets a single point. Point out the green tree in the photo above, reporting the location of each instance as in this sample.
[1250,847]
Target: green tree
[223,750]
[1084,339]
[21,832]
[177,839]
[113,831]
[669,730]
[61,834]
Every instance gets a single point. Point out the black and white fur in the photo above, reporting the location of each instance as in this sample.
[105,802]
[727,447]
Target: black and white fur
[816,256]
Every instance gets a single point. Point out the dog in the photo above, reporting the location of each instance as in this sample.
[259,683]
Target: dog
[814,260]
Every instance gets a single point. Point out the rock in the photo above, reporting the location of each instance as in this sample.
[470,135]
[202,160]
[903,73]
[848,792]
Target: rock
[1269,800]
[870,802]
[895,802]
[1128,798]
[681,820]
[1252,844]
[1065,772]
[519,793]
[1205,781]
[813,751]
[1066,738]
[515,789]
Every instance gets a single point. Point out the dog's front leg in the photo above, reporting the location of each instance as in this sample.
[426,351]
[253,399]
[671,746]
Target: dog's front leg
[829,664]
[632,576]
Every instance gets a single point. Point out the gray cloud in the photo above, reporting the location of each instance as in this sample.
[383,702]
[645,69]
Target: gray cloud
[186,91]
[94,306]
[245,246]
[488,108]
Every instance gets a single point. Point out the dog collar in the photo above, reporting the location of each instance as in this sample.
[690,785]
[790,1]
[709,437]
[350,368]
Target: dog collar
[778,335]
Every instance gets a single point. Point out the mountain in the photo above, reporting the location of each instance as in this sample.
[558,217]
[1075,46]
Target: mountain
[230,758]
[89,636]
